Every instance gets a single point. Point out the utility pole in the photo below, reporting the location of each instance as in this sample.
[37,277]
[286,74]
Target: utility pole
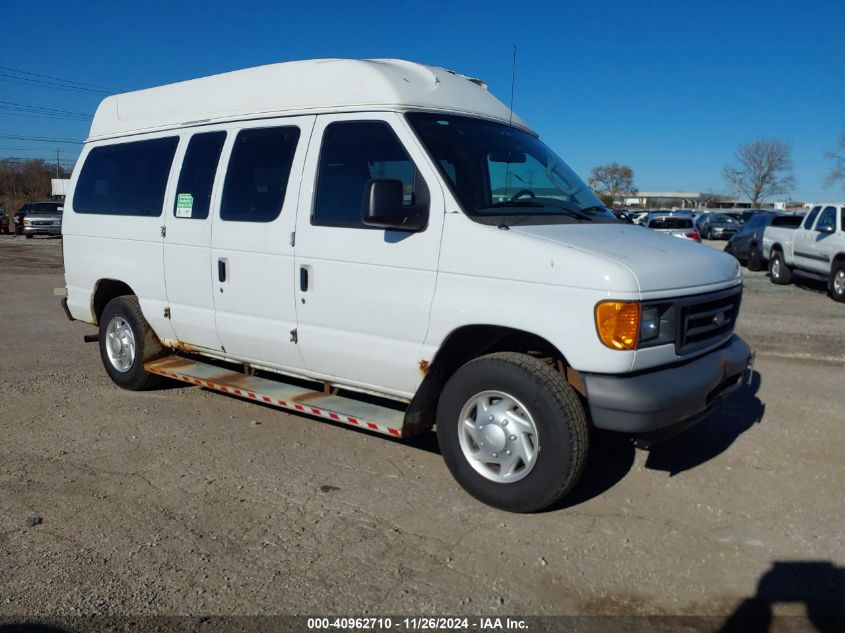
[737,175]
[58,151]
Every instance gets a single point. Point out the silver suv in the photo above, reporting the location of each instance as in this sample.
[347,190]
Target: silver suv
[43,218]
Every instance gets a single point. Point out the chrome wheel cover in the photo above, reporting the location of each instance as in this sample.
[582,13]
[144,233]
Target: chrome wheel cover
[839,282]
[498,436]
[120,344]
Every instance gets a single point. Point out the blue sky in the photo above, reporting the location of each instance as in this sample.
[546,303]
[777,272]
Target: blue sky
[668,87]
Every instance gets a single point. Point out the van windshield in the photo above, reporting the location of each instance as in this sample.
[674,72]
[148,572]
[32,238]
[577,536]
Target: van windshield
[503,175]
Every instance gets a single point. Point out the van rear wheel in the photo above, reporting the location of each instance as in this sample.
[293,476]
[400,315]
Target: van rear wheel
[512,432]
[126,342]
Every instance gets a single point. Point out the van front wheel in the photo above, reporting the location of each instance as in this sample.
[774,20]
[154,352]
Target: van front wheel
[126,342]
[512,432]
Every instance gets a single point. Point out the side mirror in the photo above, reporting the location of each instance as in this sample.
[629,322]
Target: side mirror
[826,229]
[383,206]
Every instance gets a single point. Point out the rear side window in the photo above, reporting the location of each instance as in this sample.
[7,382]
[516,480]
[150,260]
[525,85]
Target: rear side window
[811,217]
[193,193]
[792,221]
[125,178]
[257,178]
[354,153]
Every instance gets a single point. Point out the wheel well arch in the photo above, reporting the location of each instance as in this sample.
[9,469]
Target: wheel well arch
[839,257]
[104,291]
[461,346]
[776,247]
[471,341]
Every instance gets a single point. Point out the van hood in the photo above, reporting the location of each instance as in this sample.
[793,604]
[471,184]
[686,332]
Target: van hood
[659,262]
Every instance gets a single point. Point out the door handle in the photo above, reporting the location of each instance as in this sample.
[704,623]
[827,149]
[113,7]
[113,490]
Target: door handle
[303,279]
[221,270]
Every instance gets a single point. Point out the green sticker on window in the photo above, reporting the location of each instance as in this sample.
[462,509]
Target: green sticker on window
[184,205]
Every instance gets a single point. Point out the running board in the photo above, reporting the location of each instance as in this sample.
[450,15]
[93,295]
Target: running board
[282,395]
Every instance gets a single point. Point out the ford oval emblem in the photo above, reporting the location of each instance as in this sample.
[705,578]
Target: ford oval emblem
[719,319]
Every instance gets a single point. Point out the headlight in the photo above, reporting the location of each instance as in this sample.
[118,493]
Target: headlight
[618,324]
[649,323]
[27,221]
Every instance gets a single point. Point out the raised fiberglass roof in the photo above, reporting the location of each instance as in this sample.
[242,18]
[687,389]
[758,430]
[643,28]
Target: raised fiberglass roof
[300,87]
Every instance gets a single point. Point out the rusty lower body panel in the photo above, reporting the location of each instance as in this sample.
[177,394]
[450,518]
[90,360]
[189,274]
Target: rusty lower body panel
[278,394]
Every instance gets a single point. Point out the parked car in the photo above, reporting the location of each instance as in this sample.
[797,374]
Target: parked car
[717,226]
[347,232]
[815,249]
[674,225]
[42,218]
[741,217]
[4,219]
[747,244]
[640,216]
[623,215]
[18,219]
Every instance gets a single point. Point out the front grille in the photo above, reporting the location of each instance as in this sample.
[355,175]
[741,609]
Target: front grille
[707,319]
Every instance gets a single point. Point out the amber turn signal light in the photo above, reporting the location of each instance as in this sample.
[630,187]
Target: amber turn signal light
[618,323]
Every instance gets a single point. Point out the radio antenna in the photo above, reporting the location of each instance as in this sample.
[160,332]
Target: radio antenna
[513,82]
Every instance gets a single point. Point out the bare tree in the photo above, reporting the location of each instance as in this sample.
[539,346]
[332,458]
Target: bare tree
[763,168]
[23,180]
[837,171]
[611,180]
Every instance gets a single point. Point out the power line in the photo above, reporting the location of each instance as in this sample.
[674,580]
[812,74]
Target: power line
[49,84]
[36,115]
[38,139]
[50,160]
[66,81]
[21,149]
[34,108]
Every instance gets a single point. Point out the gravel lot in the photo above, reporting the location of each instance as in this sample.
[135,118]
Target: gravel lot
[182,501]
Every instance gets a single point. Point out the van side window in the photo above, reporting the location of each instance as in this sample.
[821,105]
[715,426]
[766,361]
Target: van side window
[125,178]
[354,153]
[193,193]
[811,217]
[257,178]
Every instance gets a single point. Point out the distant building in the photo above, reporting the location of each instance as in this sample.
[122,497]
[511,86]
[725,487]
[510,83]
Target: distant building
[685,199]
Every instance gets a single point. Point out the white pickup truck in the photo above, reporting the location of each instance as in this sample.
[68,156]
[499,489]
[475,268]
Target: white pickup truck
[815,249]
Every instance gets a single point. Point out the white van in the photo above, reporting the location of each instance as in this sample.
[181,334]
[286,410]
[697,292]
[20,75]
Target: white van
[386,245]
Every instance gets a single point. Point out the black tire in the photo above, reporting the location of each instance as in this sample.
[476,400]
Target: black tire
[755,262]
[779,272]
[558,416]
[29,236]
[147,345]
[838,269]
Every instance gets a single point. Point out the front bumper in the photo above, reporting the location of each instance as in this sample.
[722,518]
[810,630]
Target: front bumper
[42,230]
[654,400]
